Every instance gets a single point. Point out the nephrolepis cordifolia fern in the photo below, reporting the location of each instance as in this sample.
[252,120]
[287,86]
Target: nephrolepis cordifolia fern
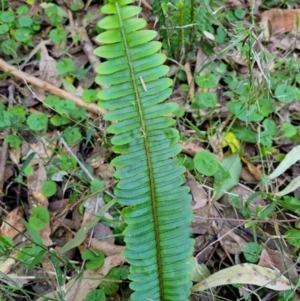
[175,19]
[160,8]
[182,22]
[158,212]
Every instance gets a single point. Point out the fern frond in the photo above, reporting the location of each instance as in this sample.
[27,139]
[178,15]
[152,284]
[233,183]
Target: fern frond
[159,10]
[158,212]
[182,23]
[175,21]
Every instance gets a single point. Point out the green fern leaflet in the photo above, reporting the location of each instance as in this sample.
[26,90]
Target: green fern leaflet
[158,212]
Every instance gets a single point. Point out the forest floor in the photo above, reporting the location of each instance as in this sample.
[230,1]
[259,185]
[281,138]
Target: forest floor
[237,84]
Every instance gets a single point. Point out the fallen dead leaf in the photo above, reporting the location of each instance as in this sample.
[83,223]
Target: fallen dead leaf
[105,171]
[190,148]
[104,233]
[233,3]
[247,176]
[12,224]
[245,273]
[255,171]
[215,141]
[201,60]
[278,21]
[286,43]
[45,234]
[47,66]
[201,221]
[230,242]
[201,241]
[43,147]
[7,264]
[48,72]
[37,178]
[199,195]
[15,155]
[270,258]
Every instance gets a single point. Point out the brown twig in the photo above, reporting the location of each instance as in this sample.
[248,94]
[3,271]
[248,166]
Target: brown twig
[190,80]
[107,248]
[190,148]
[29,79]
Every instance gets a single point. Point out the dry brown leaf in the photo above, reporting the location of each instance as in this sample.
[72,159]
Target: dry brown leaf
[43,147]
[215,141]
[201,60]
[87,216]
[90,205]
[15,155]
[205,253]
[273,259]
[47,66]
[12,224]
[222,255]
[45,234]
[104,233]
[48,72]
[7,264]
[34,183]
[76,290]
[245,273]
[278,21]
[199,195]
[237,58]
[202,219]
[231,242]
[201,242]
[233,3]
[256,172]
[286,43]
[8,173]
[37,199]
[59,212]
[105,171]
[190,148]
[247,176]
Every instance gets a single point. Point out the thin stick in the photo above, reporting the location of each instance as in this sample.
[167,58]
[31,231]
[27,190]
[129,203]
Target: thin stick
[91,107]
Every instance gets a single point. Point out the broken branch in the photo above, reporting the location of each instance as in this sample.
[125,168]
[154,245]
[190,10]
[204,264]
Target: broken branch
[29,79]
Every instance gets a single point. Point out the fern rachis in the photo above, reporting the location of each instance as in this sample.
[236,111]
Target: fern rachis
[158,212]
